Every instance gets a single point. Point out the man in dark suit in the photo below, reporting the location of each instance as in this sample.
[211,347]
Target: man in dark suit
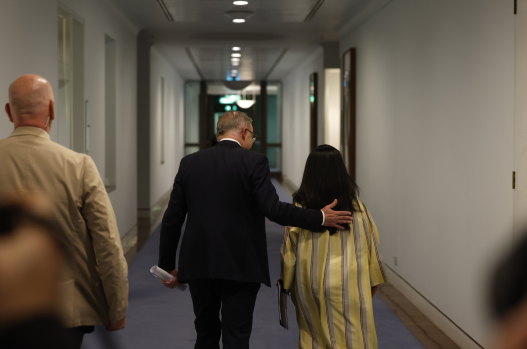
[225,193]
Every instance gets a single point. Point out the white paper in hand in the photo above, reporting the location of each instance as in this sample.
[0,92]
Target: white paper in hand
[160,273]
[165,276]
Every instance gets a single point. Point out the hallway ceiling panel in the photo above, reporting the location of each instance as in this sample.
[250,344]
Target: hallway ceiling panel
[197,35]
[268,10]
[255,61]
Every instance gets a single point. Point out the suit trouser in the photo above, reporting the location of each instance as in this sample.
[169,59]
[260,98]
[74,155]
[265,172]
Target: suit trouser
[77,334]
[236,302]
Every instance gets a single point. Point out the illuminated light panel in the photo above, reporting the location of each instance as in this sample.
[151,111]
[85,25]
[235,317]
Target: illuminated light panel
[236,55]
[236,48]
[240,3]
[238,20]
[229,99]
[245,103]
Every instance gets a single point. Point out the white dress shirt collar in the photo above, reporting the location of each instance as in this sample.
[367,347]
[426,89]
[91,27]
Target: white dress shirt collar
[230,139]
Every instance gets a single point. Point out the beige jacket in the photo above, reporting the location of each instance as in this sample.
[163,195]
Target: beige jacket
[96,286]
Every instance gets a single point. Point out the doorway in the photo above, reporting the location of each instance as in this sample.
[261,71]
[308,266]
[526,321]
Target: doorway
[73,129]
[205,102]
[349,110]
[519,174]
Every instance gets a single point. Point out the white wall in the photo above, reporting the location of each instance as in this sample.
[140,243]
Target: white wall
[434,144]
[331,116]
[296,117]
[31,46]
[162,175]
[100,19]
[28,46]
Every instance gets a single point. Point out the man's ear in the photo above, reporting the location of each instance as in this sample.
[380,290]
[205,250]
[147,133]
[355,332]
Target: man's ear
[51,111]
[8,111]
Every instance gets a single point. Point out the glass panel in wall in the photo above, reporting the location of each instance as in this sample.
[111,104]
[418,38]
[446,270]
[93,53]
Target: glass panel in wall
[274,126]
[110,101]
[274,154]
[162,119]
[192,90]
[274,117]
[65,88]
[191,149]
[72,125]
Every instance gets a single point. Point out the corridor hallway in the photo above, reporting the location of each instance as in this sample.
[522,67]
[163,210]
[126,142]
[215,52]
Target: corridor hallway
[159,317]
[425,99]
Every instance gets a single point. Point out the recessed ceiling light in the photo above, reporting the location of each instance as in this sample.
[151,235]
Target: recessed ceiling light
[240,3]
[238,16]
[235,59]
[236,48]
[236,55]
[235,63]
[245,103]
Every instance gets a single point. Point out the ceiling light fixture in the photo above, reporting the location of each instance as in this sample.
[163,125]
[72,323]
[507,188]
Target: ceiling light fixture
[236,55]
[245,103]
[235,59]
[239,16]
[236,48]
[240,3]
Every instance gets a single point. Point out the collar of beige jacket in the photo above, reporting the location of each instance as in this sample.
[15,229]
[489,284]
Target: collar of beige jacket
[29,130]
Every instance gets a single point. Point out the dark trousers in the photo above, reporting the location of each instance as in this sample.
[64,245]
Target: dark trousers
[236,302]
[77,334]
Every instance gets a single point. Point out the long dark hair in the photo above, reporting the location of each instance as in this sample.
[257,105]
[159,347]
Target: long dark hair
[325,179]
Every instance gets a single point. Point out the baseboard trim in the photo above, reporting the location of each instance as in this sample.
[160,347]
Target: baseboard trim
[441,320]
[147,221]
[129,243]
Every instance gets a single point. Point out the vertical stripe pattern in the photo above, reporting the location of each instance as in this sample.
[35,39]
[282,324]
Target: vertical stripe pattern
[330,278]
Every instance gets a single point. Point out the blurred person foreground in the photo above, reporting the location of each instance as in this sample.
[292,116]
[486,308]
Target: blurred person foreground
[508,297]
[31,262]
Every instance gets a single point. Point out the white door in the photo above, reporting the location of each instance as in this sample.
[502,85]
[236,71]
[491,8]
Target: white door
[520,120]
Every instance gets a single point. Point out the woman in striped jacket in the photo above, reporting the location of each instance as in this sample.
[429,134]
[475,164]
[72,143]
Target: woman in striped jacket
[332,275]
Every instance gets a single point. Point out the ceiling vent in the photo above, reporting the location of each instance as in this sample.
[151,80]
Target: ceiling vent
[313,11]
[162,4]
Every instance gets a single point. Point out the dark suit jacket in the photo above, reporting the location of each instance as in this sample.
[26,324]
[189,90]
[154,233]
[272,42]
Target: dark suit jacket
[225,192]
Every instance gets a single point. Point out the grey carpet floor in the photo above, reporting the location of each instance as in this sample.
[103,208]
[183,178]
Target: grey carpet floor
[159,317]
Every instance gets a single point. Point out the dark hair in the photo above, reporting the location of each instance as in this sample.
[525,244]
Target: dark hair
[508,287]
[325,179]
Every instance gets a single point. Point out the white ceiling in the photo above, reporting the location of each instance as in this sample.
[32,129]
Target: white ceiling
[197,35]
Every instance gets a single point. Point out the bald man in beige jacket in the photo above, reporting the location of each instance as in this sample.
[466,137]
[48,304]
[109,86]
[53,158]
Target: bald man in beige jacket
[96,285]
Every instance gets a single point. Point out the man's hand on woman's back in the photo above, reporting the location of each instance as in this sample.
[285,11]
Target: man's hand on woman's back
[336,219]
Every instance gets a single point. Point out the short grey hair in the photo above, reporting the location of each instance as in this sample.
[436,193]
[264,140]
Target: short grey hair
[232,120]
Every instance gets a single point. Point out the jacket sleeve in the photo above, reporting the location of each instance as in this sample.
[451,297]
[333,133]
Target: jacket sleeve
[102,227]
[288,254]
[172,223]
[277,211]
[372,233]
